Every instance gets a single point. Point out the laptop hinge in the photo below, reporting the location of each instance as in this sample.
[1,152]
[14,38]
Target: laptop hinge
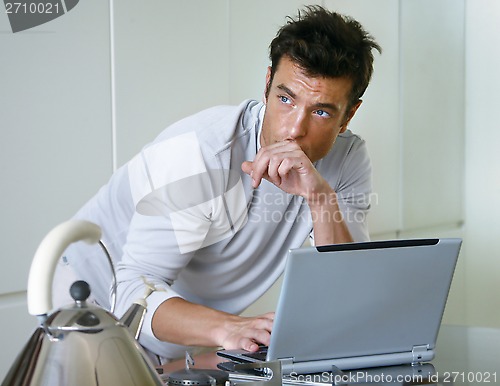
[417,353]
[286,365]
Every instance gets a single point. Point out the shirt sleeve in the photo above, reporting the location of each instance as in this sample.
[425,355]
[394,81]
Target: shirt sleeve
[152,254]
[174,203]
[355,189]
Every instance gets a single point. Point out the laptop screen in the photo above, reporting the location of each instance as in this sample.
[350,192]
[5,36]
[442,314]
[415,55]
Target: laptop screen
[362,299]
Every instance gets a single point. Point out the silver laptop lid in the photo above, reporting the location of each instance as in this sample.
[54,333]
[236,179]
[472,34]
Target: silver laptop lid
[362,299]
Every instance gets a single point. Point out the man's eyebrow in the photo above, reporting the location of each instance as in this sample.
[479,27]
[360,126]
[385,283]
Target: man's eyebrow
[287,90]
[326,106]
[318,105]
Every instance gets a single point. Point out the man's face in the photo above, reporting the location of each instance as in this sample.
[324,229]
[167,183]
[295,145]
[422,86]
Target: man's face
[311,111]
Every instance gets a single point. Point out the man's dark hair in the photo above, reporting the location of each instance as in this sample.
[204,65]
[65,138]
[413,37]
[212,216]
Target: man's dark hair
[326,44]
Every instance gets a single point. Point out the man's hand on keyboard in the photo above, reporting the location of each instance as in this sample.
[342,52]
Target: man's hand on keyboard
[247,333]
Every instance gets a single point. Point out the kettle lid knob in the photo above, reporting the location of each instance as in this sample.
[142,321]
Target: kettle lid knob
[80,290]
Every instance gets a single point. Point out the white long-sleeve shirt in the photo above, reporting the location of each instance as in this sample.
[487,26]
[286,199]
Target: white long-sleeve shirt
[182,214]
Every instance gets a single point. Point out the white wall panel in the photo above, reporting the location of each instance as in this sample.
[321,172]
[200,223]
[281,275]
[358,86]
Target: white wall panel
[253,25]
[377,120]
[55,138]
[171,60]
[55,143]
[482,191]
[433,111]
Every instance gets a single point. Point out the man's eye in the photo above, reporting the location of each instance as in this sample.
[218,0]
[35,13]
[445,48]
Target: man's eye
[284,99]
[322,113]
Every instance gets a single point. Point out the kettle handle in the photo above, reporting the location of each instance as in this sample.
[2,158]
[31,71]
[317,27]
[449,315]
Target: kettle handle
[45,260]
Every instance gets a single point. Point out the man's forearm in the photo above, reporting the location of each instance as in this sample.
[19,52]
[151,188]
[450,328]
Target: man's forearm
[328,222]
[181,322]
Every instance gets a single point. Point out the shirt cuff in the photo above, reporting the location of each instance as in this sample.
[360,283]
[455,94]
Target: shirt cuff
[154,301]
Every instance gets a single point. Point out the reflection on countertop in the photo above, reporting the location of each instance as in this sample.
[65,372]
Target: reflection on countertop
[464,356]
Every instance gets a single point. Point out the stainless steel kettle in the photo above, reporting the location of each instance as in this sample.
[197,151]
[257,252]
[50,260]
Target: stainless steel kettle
[81,344]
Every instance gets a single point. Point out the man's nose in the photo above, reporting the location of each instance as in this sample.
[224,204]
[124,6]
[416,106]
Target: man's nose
[297,126]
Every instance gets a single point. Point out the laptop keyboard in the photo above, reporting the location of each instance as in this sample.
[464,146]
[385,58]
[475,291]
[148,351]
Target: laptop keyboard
[259,355]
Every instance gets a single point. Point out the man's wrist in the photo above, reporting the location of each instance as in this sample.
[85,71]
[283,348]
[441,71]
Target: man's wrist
[324,208]
[328,220]
[323,199]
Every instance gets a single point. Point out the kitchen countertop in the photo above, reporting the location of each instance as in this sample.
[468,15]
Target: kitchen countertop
[464,356]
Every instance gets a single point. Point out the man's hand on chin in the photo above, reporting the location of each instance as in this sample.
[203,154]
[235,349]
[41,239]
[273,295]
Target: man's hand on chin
[287,166]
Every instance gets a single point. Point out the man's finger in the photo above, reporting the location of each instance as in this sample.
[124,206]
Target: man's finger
[247,167]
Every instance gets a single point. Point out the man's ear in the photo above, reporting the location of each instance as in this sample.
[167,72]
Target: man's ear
[268,84]
[350,115]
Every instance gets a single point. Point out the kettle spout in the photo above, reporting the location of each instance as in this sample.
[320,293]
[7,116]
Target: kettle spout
[134,317]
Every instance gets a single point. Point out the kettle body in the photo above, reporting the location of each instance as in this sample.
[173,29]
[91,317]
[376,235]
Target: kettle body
[82,357]
[82,344]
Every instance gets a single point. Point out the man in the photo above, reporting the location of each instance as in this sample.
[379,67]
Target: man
[208,210]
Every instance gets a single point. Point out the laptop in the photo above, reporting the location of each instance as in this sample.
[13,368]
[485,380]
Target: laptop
[359,305]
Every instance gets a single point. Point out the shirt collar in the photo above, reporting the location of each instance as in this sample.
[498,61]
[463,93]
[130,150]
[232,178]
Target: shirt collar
[259,128]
